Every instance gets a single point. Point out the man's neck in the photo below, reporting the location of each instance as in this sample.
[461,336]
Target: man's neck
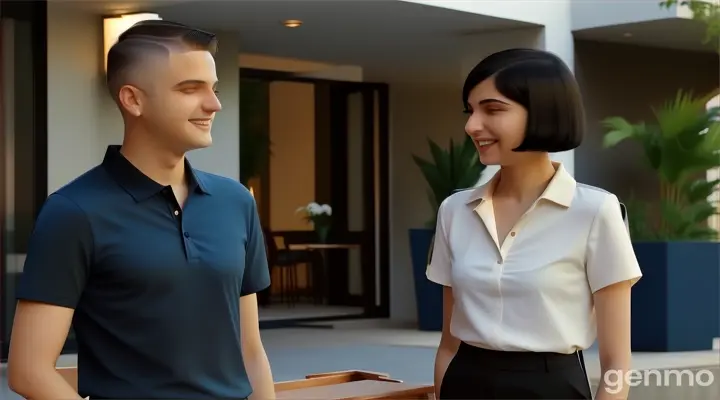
[160,165]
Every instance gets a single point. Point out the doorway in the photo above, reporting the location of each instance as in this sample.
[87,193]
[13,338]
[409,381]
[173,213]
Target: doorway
[23,142]
[331,148]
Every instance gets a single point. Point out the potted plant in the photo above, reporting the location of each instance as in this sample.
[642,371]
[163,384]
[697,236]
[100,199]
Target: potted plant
[676,305]
[457,167]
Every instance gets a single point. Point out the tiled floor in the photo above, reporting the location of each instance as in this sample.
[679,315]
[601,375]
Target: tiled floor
[303,311]
[408,354]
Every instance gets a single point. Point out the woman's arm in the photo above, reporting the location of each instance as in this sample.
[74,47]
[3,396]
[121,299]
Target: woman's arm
[612,270]
[448,344]
[612,310]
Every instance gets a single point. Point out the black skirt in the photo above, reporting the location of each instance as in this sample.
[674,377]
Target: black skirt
[480,374]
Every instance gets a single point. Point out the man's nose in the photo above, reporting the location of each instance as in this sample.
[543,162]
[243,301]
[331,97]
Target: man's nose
[213,104]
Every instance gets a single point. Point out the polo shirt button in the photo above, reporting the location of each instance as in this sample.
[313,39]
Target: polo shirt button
[187,234]
[512,234]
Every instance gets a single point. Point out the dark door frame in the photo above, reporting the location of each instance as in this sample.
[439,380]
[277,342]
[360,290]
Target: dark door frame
[370,91]
[36,13]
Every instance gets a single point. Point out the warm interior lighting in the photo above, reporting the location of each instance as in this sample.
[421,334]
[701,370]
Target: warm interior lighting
[292,23]
[113,27]
[252,192]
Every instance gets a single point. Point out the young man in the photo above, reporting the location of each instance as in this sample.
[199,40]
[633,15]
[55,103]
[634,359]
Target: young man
[155,263]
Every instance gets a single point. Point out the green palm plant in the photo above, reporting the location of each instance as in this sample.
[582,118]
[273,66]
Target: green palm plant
[451,169]
[680,146]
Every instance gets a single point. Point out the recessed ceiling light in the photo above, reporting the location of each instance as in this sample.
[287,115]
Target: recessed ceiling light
[292,23]
[627,34]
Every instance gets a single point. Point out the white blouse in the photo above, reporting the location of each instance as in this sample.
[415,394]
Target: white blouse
[535,292]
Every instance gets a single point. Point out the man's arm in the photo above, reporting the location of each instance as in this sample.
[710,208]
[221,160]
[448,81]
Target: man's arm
[254,356]
[54,275]
[256,277]
[39,333]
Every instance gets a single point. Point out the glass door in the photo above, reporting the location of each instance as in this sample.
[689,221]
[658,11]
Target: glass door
[359,191]
[23,140]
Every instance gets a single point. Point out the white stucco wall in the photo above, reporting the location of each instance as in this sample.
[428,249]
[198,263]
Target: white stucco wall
[83,120]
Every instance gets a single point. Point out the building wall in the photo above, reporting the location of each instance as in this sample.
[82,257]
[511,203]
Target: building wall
[83,120]
[615,80]
[628,81]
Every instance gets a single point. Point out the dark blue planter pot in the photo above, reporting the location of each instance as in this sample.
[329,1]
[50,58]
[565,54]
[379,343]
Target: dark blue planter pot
[428,295]
[676,304]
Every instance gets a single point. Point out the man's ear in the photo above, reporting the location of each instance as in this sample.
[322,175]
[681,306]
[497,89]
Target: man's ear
[130,100]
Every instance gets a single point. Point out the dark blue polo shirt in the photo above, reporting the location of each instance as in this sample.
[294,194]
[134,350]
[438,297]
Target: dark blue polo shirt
[155,288]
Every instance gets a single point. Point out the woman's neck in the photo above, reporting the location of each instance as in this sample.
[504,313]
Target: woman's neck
[526,180]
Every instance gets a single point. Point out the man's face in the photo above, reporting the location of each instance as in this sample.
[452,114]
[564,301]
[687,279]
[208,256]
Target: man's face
[181,102]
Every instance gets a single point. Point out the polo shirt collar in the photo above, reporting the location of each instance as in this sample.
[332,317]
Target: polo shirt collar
[560,190]
[139,185]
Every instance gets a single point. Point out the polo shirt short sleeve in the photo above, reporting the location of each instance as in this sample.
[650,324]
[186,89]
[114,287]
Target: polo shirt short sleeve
[257,273]
[438,270]
[610,256]
[59,254]
[155,285]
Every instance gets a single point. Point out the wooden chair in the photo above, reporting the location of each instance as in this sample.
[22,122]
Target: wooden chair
[287,261]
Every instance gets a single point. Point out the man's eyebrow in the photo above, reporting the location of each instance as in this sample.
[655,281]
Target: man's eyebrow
[194,82]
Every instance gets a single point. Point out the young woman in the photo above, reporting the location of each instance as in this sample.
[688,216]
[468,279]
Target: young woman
[534,265]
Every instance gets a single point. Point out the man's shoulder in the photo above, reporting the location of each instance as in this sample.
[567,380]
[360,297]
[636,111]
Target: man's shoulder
[224,186]
[80,190]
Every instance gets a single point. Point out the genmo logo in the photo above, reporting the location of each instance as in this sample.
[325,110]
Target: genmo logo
[615,381]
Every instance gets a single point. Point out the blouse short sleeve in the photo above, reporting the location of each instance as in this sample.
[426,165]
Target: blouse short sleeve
[438,269]
[610,255]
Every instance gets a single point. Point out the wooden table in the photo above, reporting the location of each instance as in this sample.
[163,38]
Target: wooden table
[322,246]
[351,385]
[341,385]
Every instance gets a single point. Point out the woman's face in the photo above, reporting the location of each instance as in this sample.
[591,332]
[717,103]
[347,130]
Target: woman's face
[495,123]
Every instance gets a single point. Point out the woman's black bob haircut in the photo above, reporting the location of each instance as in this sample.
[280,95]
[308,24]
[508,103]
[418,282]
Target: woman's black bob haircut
[545,87]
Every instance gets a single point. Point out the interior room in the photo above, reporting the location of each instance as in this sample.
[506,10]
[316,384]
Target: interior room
[310,133]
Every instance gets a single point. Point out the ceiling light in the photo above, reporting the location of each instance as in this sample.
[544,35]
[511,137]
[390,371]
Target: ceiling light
[292,23]
[627,34]
[113,27]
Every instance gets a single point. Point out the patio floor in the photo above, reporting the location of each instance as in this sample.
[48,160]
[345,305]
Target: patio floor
[408,354]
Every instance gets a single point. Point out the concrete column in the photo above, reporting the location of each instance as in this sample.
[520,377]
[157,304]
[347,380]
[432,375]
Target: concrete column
[557,38]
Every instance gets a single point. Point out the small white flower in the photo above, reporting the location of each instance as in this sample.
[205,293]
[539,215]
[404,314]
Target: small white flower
[314,208]
[327,209]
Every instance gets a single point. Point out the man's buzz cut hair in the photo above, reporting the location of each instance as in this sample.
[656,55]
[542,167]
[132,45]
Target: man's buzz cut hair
[151,37]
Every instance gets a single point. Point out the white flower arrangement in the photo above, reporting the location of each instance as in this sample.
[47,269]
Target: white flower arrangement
[320,216]
[315,212]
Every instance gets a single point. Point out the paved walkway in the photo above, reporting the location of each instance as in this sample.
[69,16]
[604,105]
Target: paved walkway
[408,354]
